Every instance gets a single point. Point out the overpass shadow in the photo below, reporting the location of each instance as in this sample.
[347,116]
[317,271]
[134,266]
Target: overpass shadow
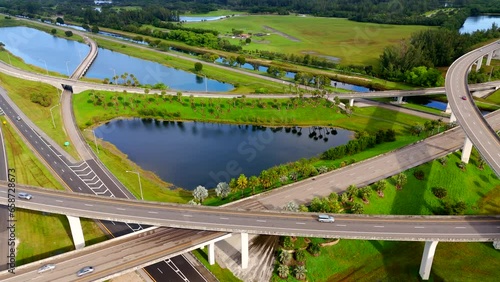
[45,236]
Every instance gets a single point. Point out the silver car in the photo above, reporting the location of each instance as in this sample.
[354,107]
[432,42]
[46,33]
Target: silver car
[25,196]
[325,218]
[47,267]
[85,270]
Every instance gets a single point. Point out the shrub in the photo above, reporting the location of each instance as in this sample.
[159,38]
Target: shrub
[314,249]
[300,256]
[439,192]
[419,174]
[287,242]
[42,99]
[68,33]
[443,160]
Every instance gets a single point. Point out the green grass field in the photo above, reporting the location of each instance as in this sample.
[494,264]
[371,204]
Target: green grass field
[20,90]
[352,42]
[42,235]
[359,260]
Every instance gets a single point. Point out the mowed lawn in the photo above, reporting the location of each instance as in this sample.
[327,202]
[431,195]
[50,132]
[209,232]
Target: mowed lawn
[352,42]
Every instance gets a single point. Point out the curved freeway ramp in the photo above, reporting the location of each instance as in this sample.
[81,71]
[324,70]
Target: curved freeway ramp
[468,115]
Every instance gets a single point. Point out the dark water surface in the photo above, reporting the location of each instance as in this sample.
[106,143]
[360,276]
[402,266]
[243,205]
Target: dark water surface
[189,154]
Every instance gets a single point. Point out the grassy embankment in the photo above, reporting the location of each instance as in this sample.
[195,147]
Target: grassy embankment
[40,235]
[358,260]
[20,90]
[352,42]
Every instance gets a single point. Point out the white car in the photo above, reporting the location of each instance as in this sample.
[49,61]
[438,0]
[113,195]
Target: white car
[85,270]
[25,196]
[47,267]
[325,218]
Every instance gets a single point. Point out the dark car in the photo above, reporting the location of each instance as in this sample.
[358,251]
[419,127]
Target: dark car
[464,97]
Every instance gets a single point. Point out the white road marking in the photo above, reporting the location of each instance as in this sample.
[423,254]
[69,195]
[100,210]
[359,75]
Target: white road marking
[121,209]
[223,218]
[460,227]
[59,201]
[340,225]
[187,215]
[419,227]
[71,179]
[89,205]
[152,212]
[159,270]
[379,226]
[260,220]
[300,223]
[80,188]
[62,170]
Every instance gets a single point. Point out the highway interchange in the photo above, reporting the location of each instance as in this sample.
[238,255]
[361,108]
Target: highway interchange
[68,175]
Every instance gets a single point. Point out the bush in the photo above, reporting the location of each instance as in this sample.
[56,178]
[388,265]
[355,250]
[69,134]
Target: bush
[300,256]
[287,242]
[42,99]
[314,249]
[419,174]
[68,33]
[439,192]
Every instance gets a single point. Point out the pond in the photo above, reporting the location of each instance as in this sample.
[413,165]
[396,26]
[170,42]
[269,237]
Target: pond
[291,75]
[110,63]
[472,24]
[43,50]
[199,19]
[63,56]
[189,154]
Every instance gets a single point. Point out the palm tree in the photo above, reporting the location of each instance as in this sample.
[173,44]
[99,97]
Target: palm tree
[300,272]
[400,180]
[253,182]
[285,257]
[242,183]
[283,271]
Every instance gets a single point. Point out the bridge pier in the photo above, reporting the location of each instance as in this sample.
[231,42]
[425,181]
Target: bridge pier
[400,100]
[466,150]
[448,109]
[479,63]
[211,253]
[427,258]
[76,232]
[351,102]
[244,250]
[453,118]
[489,57]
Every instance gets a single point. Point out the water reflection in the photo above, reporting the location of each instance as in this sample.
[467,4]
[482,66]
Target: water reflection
[198,153]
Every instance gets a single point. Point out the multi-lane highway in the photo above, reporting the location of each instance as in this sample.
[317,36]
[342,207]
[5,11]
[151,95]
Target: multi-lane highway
[391,227]
[468,115]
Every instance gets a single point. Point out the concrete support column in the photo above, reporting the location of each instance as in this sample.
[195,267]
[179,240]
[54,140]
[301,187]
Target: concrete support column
[400,100]
[351,102]
[452,118]
[489,57]
[76,232]
[448,109]
[211,253]
[427,257]
[466,150]
[244,250]
[479,63]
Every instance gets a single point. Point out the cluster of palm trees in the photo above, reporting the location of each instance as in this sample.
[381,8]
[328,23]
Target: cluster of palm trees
[285,259]
[123,79]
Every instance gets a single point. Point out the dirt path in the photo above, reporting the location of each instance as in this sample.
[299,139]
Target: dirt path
[295,39]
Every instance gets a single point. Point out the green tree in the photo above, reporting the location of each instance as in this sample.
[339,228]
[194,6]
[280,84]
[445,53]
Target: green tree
[59,20]
[198,66]
[314,249]
[380,187]
[68,33]
[242,183]
[248,40]
[53,31]
[300,256]
[222,190]
[357,208]
[400,179]
[240,60]
[95,29]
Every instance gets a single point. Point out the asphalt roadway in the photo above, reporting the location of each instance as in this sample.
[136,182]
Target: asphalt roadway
[4,213]
[348,226]
[468,115]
